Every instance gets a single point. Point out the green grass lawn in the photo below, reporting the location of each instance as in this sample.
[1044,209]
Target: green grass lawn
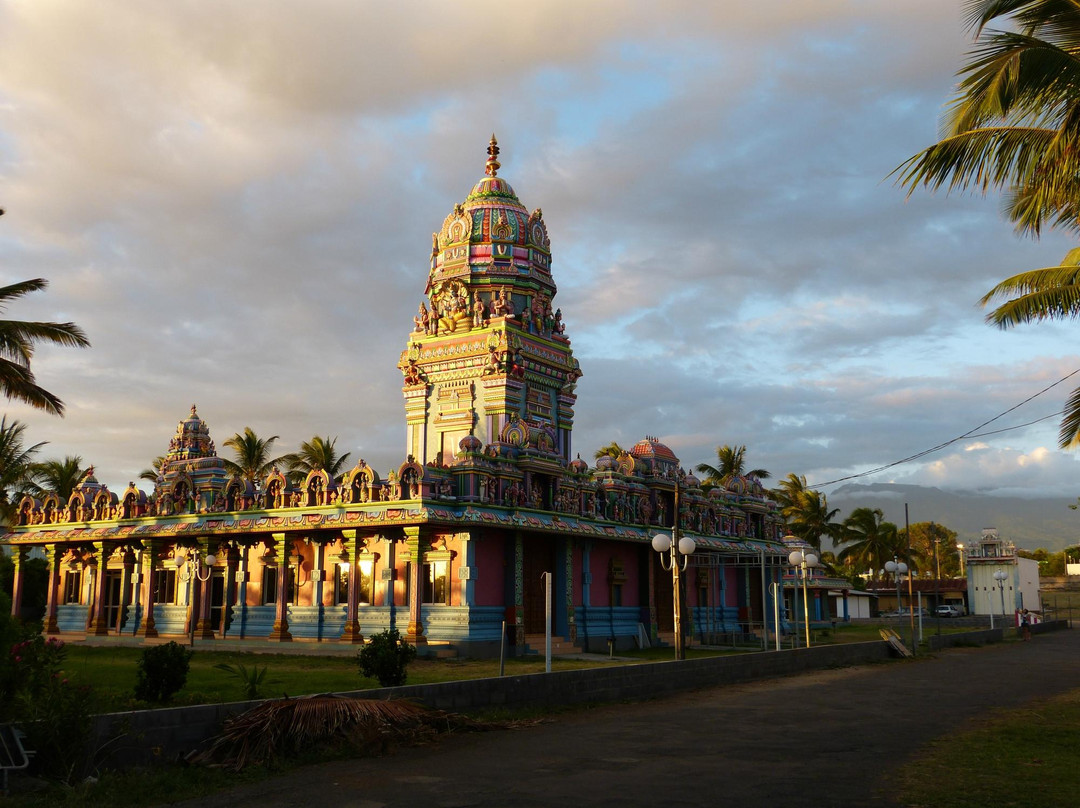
[1022,758]
[110,671]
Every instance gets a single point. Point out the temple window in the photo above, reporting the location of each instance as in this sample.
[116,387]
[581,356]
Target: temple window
[616,580]
[73,587]
[165,586]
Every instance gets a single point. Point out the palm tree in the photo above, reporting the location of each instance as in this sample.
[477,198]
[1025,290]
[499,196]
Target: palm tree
[807,512]
[870,540]
[253,455]
[59,477]
[317,454]
[155,470]
[17,341]
[613,449]
[16,461]
[1015,125]
[731,462]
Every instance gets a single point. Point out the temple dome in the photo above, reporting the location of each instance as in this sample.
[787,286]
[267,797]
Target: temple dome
[652,449]
[192,439]
[491,231]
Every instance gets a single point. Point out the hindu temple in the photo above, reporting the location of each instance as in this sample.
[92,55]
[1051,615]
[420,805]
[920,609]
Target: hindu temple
[449,547]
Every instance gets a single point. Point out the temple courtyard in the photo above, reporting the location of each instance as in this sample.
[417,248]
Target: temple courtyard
[831,738]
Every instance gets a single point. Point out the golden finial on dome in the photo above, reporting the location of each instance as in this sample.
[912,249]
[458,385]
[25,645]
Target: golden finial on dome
[492,167]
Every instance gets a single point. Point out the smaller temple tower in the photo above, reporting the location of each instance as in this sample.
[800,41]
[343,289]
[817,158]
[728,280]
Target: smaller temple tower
[488,356]
[192,476]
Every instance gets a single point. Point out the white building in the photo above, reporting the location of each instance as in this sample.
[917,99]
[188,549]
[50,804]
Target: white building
[1017,585]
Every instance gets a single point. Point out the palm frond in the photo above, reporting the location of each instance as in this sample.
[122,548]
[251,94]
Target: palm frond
[1069,434]
[282,727]
[1051,293]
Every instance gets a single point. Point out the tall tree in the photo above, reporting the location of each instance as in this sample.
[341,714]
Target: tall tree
[315,455]
[17,342]
[59,477]
[156,467]
[928,538]
[730,462]
[1014,125]
[16,462]
[807,511]
[254,458]
[613,449]
[869,540]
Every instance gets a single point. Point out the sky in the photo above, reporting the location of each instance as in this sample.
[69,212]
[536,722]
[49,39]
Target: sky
[235,200]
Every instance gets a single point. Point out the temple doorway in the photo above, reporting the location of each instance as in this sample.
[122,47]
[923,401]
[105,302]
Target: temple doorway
[114,581]
[217,599]
[539,557]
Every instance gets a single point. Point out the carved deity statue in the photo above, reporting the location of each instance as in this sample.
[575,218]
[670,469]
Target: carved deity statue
[479,312]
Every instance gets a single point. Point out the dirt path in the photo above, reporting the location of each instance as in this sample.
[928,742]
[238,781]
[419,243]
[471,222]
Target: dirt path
[821,739]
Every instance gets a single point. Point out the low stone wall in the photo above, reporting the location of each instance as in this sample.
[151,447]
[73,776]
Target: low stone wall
[143,737]
[989,635]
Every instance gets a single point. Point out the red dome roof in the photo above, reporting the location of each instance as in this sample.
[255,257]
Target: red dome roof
[651,448]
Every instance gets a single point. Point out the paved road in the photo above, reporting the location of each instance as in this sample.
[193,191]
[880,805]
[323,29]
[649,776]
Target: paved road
[821,739]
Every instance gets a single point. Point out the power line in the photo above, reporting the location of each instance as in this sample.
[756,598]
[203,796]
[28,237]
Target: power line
[971,433]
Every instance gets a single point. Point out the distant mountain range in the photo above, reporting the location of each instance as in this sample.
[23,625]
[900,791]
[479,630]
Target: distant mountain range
[1029,523]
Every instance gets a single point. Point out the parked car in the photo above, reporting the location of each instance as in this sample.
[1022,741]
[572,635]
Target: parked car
[948,611]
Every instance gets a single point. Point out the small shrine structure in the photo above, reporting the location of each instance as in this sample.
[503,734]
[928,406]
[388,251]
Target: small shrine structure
[450,546]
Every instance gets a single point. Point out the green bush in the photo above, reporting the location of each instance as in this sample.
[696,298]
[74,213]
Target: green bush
[162,671]
[54,713]
[251,678]
[385,657]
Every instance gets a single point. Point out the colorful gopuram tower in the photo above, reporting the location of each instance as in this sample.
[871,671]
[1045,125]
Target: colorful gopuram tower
[488,356]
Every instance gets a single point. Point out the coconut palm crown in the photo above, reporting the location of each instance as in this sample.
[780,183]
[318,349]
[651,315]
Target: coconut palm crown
[731,462]
[17,343]
[1014,125]
[254,458]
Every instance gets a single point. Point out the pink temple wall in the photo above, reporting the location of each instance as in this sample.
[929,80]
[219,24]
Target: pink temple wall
[490,569]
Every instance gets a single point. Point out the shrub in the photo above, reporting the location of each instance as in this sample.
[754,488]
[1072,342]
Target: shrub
[163,670]
[385,657]
[54,713]
[251,678]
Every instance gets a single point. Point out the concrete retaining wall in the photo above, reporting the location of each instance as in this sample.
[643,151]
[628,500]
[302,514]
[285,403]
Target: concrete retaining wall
[989,635]
[142,737]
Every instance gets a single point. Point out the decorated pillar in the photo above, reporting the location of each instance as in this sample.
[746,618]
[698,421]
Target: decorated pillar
[654,625]
[467,571]
[53,555]
[98,625]
[280,630]
[127,577]
[352,634]
[517,618]
[19,559]
[232,586]
[149,568]
[204,627]
[571,617]
[318,575]
[414,550]
[242,587]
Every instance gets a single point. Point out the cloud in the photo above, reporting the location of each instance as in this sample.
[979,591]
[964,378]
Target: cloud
[237,207]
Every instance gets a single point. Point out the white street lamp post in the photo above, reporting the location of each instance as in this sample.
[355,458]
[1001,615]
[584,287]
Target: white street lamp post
[673,552]
[803,563]
[189,569]
[1000,577]
[897,568]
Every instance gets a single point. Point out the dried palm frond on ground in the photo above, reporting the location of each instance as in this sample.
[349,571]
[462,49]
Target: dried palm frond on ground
[283,727]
